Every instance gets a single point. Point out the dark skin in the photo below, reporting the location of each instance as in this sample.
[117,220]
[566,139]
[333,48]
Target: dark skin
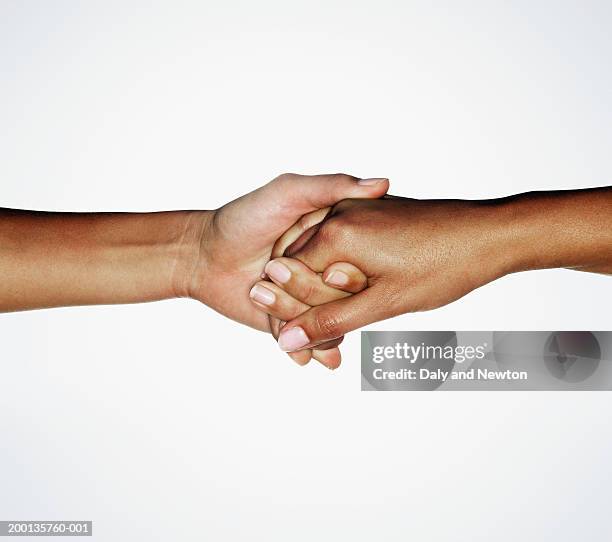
[418,255]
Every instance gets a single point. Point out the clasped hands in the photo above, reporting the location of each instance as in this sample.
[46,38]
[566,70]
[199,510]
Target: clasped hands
[310,258]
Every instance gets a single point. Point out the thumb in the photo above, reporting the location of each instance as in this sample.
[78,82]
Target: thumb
[302,194]
[332,320]
[275,207]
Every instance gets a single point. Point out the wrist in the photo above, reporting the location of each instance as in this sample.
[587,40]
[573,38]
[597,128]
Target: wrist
[190,260]
[544,230]
[514,232]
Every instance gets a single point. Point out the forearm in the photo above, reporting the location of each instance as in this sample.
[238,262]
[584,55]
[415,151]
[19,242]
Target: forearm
[568,229]
[60,259]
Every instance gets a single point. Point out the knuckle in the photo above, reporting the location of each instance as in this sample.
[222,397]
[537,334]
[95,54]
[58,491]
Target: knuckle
[327,326]
[303,223]
[344,177]
[358,280]
[284,178]
[336,230]
[398,301]
[329,228]
[307,292]
[355,284]
[292,310]
[343,206]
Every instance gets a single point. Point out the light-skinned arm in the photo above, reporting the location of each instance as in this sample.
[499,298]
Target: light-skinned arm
[62,259]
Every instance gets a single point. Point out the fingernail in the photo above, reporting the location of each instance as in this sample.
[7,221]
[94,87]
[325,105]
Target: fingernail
[278,271]
[293,339]
[337,278]
[262,295]
[370,182]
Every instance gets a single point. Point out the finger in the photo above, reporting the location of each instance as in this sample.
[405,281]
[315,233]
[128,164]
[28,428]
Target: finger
[331,320]
[343,276]
[294,232]
[329,358]
[304,285]
[329,345]
[305,193]
[322,245]
[271,299]
[302,357]
[275,325]
[301,283]
[327,353]
[268,297]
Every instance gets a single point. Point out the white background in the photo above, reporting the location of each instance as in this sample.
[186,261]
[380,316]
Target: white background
[168,422]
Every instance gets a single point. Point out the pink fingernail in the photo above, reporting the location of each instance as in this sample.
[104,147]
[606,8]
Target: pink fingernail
[337,278]
[371,182]
[278,271]
[293,339]
[262,295]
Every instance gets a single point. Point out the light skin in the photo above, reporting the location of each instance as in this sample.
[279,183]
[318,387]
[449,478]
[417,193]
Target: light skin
[63,259]
[418,255]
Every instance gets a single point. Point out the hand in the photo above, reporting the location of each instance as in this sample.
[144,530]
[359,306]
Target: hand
[299,289]
[66,259]
[295,288]
[231,246]
[307,287]
[419,255]
[437,241]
